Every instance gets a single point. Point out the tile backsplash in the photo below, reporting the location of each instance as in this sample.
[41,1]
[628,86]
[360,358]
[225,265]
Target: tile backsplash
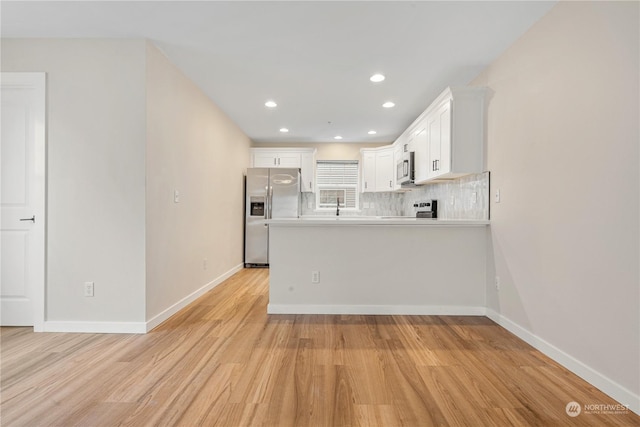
[463,198]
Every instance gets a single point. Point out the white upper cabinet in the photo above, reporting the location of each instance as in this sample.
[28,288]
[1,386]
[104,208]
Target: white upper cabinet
[308,171]
[439,140]
[289,160]
[377,169]
[419,144]
[264,160]
[268,158]
[368,171]
[398,150]
[302,158]
[384,169]
[454,135]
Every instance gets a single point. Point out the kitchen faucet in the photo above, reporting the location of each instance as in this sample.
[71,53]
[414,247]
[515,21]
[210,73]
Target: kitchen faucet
[337,206]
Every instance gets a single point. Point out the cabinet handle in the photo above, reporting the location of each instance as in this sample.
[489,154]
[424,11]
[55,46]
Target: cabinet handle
[365,185]
[390,185]
[437,165]
[278,161]
[275,161]
[310,184]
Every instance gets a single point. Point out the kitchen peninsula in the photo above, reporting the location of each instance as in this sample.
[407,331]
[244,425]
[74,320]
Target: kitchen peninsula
[377,265]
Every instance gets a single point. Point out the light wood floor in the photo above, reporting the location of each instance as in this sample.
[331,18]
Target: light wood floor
[224,362]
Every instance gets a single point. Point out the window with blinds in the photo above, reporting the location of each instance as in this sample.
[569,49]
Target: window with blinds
[337,179]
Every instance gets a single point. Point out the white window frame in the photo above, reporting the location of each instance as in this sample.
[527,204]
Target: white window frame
[356,187]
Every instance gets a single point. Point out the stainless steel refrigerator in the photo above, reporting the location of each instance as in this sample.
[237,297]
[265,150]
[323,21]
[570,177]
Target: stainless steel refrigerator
[269,193]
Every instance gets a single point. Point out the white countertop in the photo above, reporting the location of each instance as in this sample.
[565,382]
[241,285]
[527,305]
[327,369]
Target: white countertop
[312,221]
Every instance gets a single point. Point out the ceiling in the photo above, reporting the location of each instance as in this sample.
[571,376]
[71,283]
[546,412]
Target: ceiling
[314,59]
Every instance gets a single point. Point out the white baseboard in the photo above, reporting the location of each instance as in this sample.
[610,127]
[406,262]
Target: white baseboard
[136,327]
[170,311]
[96,327]
[423,310]
[595,378]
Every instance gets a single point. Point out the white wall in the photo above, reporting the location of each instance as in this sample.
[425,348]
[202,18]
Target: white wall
[95,167]
[119,114]
[192,147]
[563,149]
[377,269]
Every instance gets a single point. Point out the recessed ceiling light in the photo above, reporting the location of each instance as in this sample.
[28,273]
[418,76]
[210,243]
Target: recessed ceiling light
[270,104]
[284,130]
[388,104]
[372,132]
[377,78]
[337,137]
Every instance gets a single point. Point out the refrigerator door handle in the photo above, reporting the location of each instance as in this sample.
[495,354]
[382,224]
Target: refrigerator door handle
[270,197]
[266,203]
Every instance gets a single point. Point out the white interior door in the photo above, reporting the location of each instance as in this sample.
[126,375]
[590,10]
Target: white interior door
[22,200]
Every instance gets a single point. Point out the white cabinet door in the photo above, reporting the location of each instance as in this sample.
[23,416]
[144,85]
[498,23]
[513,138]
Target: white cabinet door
[384,170]
[433,141]
[307,170]
[265,160]
[443,165]
[288,160]
[420,145]
[368,171]
[398,150]
[439,137]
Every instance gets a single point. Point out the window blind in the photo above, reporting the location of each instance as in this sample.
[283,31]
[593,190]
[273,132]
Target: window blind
[337,179]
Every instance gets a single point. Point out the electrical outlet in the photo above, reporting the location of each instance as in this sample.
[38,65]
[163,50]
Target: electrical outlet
[498,195]
[176,196]
[497,282]
[474,198]
[452,200]
[88,289]
[315,277]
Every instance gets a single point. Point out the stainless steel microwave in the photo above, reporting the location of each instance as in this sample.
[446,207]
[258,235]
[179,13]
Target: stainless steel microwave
[405,167]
